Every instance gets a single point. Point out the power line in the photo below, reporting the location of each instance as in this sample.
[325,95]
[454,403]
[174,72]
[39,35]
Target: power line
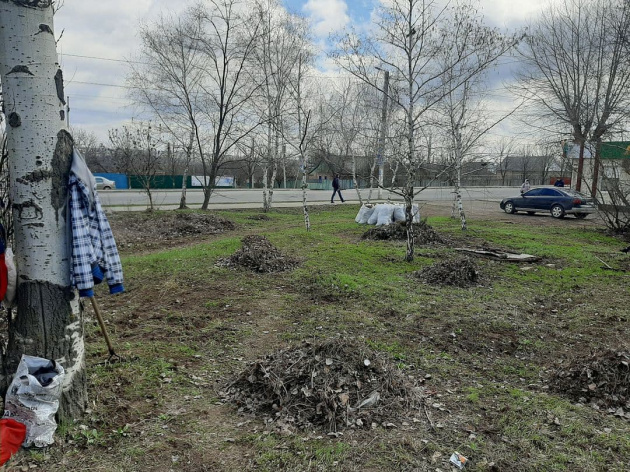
[103,59]
[99,84]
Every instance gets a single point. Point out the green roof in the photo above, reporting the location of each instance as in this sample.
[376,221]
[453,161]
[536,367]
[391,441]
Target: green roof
[616,150]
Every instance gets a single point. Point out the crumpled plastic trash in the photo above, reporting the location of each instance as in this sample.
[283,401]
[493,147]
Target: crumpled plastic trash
[33,399]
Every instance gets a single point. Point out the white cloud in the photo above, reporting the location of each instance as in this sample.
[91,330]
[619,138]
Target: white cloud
[329,16]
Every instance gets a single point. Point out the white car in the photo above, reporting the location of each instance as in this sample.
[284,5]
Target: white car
[104,184]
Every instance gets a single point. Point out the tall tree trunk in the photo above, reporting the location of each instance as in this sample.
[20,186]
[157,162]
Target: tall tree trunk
[458,196]
[266,206]
[596,166]
[369,198]
[182,200]
[354,178]
[49,320]
[307,219]
[189,150]
[580,169]
[208,189]
[274,173]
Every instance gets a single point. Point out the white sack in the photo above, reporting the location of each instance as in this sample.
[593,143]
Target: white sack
[399,213]
[385,215]
[30,403]
[364,214]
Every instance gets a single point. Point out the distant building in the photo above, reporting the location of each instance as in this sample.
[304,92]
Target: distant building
[615,162]
[539,170]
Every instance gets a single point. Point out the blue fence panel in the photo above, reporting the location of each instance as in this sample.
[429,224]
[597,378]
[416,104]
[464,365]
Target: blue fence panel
[121,179]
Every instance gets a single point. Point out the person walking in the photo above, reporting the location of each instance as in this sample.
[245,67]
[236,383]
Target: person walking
[336,189]
[558,183]
[525,187]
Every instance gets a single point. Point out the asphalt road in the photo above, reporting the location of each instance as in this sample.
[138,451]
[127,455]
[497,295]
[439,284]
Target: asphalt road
[134,200]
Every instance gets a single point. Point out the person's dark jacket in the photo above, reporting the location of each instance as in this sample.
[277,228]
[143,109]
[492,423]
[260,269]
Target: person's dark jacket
[335,183]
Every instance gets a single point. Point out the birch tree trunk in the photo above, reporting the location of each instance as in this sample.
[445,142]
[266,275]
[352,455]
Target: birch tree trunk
[49,320]
[189,151]
[393,184]
[354,179]
[369,198]
[307,218]
[458,194]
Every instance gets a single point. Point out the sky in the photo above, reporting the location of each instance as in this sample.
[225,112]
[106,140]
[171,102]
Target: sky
[97,38]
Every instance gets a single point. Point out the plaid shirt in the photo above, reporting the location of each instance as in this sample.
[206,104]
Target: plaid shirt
[93,244]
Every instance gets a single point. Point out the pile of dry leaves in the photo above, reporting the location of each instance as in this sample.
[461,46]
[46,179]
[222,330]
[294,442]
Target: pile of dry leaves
[151,229]
[423,233]
[259,255]
[330,386]
[460,272]
[602,380]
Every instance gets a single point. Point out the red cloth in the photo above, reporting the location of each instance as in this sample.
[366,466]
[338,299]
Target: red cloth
[12,435]
[4,276]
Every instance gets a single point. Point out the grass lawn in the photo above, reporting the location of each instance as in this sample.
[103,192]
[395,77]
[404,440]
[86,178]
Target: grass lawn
[484,357]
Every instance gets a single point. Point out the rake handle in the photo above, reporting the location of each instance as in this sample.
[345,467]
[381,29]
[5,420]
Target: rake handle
[103,330]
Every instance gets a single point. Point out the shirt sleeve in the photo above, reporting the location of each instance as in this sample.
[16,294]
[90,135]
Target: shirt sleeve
[109,257]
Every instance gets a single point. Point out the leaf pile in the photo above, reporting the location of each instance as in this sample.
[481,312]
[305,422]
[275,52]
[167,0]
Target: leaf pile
[151,229]
[259,255]
[422,232]
[602,380]
[460,272]
[330,386]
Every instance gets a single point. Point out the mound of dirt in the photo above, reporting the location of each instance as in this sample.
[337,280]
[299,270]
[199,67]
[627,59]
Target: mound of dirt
[259,255]
[423,233]
[144,229]
[329,386]
[458,273]
[602,380]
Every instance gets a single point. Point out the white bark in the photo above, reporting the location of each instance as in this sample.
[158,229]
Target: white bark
[49,317]
[354,179]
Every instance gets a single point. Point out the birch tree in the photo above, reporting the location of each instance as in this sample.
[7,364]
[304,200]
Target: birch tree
[409,37]
[277,56]
[138,146]
[49,321]
[353,112]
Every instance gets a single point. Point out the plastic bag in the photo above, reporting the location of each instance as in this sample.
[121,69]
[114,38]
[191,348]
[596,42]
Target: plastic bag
[415,211]
[399,213]
[364,214]
[374,216]
[33,399]
[386,215]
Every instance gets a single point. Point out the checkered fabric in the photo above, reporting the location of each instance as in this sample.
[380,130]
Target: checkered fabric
[93,243]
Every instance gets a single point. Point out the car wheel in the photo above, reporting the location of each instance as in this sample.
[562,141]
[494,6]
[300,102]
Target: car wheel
[557,211]
[107,187]
[581,216]
[531,212]
[508,207]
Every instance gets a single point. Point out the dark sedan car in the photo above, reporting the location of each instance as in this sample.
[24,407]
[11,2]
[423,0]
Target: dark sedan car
[557,201]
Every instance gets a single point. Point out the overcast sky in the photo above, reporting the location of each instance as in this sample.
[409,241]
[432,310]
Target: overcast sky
[99,36]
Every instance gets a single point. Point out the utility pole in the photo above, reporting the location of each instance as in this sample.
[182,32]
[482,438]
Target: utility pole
[380,156]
